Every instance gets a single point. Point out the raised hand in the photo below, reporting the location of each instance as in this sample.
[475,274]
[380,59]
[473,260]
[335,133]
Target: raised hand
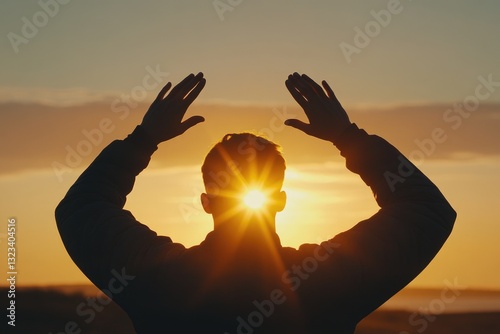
[327,118]
[163,120]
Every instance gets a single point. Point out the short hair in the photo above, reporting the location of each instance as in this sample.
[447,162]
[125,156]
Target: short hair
[243,159]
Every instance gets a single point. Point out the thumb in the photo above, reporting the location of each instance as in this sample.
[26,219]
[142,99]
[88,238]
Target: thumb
[295,123]
[190,122]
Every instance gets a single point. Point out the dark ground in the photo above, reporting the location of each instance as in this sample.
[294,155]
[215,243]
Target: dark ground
[50,311]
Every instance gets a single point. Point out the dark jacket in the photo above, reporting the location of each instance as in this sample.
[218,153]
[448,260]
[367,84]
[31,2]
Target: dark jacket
[253,284]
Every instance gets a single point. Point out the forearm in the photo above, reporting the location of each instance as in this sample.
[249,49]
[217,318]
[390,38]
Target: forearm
[111,175]
[97,232]
[383,253]
[393,246]
[392,178]
[90,219]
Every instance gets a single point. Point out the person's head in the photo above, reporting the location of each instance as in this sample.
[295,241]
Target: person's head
[238,164]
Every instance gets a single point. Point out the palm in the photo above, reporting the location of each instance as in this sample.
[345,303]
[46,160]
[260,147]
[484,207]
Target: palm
[163,120]
[327,118]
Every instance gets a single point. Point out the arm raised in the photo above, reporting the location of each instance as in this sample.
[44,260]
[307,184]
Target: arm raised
[380,255]
[98,233]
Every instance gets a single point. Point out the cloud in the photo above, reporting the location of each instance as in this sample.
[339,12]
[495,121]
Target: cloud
[53,97]
[437,131]
[35,136]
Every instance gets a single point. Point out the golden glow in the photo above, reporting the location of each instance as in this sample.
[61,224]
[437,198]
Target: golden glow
[255,199]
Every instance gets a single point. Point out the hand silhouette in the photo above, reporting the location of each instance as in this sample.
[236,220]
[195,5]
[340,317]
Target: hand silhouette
[163,120]
[327,118]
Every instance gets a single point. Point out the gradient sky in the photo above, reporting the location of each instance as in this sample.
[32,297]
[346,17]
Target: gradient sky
[67,76]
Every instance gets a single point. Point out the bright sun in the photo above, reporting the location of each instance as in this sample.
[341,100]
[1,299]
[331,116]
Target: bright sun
[254,199]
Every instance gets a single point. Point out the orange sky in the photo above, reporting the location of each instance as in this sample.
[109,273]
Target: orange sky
[78,71]
[323,197]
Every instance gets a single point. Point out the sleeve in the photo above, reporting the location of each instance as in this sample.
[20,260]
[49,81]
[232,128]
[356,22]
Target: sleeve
[100,236]
[380,255]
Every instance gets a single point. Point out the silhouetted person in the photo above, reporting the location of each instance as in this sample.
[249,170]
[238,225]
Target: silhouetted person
[240,279]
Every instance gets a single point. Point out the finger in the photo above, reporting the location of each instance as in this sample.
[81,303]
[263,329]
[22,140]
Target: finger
[190,122]
[332,96]
[300,83]
[295,123]
[329,91]
[188,78]
[163,91]
[180,85]
[296,94]
[188,86]
[304,87]
[304,96]
[193,94]
[317,88]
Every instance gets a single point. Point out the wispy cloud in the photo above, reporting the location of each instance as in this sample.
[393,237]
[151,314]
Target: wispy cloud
[54,97]
[33,136]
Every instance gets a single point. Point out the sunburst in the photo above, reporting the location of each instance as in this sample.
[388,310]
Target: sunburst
[255,199]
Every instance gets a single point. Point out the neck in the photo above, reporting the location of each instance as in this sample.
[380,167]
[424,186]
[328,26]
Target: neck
[246,225]
[255,237]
